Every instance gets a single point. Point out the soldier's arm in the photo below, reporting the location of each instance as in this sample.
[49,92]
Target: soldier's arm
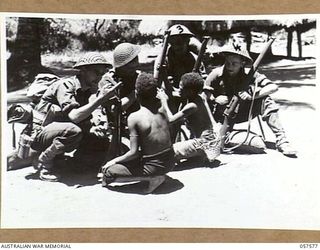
[77,115]
[264,86]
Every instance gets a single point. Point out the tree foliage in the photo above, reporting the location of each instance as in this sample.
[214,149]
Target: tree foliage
[59,34]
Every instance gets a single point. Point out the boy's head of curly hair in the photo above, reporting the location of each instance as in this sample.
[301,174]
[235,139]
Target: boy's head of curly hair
[146,87]
[192,82]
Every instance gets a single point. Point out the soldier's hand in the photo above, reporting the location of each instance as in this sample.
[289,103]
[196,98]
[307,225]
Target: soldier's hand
[244,95]
[222,99]
[101,131]
[107,91]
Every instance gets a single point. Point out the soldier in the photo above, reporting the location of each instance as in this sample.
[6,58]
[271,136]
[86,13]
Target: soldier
[180,57]
[126,63]
[226,81]
[67,111]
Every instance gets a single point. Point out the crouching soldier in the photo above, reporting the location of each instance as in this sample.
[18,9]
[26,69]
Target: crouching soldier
[149,131]
[23,114]
[227,80]
[67,111]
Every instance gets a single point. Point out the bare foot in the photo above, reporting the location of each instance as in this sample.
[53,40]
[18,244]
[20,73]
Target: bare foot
[154,182]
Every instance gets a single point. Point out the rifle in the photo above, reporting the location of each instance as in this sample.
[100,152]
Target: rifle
[233,104]
[160,70]
[202,50]
[196,69]
[13,136]
[117,125]
[115,145]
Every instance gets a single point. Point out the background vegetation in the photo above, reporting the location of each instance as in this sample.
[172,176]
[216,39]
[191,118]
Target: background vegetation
[34,44]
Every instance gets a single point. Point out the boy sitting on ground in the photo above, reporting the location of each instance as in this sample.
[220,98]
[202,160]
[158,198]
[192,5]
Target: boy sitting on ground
[149,132]
[199,121]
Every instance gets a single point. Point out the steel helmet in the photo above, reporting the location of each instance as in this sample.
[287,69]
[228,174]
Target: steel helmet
[180,30]
[91,58]
[125,53]
[237,49]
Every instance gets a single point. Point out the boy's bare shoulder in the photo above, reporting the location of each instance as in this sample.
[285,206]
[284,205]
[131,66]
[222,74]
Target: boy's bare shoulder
[138,115]
[135,115]
[192,106]
[189,109]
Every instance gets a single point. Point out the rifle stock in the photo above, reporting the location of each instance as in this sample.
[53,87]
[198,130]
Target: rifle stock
[229,111]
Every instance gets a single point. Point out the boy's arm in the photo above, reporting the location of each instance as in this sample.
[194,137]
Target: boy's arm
[134,143]
[187,110]
[173,118]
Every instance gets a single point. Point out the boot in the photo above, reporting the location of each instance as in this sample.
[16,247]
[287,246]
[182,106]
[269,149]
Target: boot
[47,174]
[286,149]
[282,144]
[45,164]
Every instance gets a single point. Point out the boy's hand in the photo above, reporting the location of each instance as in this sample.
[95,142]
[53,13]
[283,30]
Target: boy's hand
[161,95]
[176,92]
[108,164]
[222,99]
[244,95]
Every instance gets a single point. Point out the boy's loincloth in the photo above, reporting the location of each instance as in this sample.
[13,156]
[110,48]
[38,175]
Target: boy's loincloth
[147,165]
[162,161]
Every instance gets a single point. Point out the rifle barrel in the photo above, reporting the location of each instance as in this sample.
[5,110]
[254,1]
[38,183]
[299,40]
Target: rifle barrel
[202,50]
[157,73]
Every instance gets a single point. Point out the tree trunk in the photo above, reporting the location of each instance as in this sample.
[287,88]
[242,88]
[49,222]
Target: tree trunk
[299,42]
[25,61]
[289,42]
[270,54]
[248,39]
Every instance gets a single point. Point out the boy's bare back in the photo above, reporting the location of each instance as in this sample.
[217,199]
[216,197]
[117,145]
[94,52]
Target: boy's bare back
[199,120]
[152,129]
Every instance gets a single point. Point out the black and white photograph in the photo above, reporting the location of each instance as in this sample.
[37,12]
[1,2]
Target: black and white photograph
[119,121]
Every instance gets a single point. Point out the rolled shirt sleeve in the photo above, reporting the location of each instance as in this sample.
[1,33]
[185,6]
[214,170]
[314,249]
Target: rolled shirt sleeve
[65,95]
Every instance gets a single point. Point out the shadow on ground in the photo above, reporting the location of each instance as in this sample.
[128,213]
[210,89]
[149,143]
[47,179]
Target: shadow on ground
[71,178]
[290,74]
[168,186]
[298,105]
[196,163]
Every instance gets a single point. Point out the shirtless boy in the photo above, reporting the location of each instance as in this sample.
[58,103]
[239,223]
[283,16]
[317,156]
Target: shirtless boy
[199,120]
[151,154]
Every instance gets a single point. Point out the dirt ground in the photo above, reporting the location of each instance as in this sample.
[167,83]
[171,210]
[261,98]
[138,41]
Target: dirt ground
[237,191]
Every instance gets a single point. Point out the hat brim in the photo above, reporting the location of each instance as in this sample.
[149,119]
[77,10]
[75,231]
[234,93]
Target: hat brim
[78,66]
[245,56]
